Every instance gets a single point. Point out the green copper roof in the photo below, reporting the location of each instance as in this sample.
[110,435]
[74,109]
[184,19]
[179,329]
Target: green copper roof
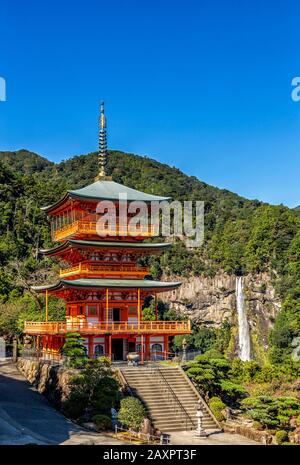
[110,190]
[108,245]
[106,190]
[97,283]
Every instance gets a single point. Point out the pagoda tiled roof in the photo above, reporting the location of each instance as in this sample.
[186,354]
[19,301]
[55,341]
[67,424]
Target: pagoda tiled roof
[97,283]
[140,246]
[105,190]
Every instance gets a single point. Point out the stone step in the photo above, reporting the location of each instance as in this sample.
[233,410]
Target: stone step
[153,393]
[168,398]
[161,417]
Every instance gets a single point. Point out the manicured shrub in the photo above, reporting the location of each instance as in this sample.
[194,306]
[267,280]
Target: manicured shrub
[103,422]
[74,349]
[216,405]
[281,436]
[257,425]
[271,412]
[131,413]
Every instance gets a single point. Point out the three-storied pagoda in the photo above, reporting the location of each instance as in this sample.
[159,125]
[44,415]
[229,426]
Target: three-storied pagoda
[100,280]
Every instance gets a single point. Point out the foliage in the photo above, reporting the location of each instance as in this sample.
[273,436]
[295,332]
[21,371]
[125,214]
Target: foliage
[281,436]
[210,372]
[148,314]
[131,412]
[271,412]
[204,338]
[257,425]
[103,422]
[93,390]
[216,405]
[74,349]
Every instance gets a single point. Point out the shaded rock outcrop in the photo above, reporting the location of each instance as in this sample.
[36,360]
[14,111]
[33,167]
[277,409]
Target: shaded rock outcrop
[52,381]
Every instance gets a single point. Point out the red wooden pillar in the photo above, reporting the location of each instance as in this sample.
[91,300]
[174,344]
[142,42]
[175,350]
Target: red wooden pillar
[91,346]
[147,347]
[109,347]
[166,345]
[139,306]
[142,349]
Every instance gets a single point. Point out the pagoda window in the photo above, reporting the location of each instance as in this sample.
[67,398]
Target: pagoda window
[132,314]
[99,350]
[92,310]
[132,310]
[156,348]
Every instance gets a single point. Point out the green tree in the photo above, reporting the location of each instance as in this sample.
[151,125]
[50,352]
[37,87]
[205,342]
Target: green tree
[74,349]
[93,391]
[131,413]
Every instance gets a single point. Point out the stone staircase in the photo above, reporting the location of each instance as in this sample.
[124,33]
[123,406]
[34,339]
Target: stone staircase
[169,398]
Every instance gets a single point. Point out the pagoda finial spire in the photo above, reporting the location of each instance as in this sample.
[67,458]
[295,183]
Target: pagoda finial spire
[102,152]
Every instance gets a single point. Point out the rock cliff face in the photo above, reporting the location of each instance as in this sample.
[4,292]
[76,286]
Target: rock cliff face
[210,301]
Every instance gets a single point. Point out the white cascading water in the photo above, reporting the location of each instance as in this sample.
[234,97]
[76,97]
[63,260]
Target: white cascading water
[244,336]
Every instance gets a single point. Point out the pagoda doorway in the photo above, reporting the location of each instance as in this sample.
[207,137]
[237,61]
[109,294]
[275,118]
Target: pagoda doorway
[117,349]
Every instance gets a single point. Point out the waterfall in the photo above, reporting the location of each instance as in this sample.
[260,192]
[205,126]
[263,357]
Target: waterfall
[244,336]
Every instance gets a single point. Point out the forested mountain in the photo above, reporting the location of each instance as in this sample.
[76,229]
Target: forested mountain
[241,236]
[25,162]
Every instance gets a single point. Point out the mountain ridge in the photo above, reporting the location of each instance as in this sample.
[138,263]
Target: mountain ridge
[19,161]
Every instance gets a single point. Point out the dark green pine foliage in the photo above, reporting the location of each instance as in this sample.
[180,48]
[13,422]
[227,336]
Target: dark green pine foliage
[74,349]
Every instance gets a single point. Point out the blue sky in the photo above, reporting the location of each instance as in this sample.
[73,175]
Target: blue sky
[204,86]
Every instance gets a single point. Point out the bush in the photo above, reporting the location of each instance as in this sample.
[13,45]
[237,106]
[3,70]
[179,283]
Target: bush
[298,420]
[257,425]
[281,436]
[74,349]
[271,412]
[93,390]
[131,413]
[103,422]
[216,405]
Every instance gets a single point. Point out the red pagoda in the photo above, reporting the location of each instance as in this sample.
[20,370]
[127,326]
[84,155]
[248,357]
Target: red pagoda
[100,279]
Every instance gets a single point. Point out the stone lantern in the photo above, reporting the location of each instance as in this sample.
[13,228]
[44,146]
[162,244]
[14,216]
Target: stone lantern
[184,347]
[200,431]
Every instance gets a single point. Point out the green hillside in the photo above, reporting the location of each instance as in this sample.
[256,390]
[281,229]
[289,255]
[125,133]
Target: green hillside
[241,236]
[25,162]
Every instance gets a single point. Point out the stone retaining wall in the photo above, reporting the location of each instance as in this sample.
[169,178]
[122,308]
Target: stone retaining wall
[260,436]
[52,381]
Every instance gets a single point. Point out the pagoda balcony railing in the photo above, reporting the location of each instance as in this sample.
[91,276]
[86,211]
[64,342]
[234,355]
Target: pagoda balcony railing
[122,327]
[111,269]
[90,227]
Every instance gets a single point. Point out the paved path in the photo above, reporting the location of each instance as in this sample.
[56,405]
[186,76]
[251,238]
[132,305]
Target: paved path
[26,417]
[221,439]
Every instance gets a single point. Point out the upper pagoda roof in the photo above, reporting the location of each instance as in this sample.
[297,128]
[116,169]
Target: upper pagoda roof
[97,283]
[140,246]
[105,190]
